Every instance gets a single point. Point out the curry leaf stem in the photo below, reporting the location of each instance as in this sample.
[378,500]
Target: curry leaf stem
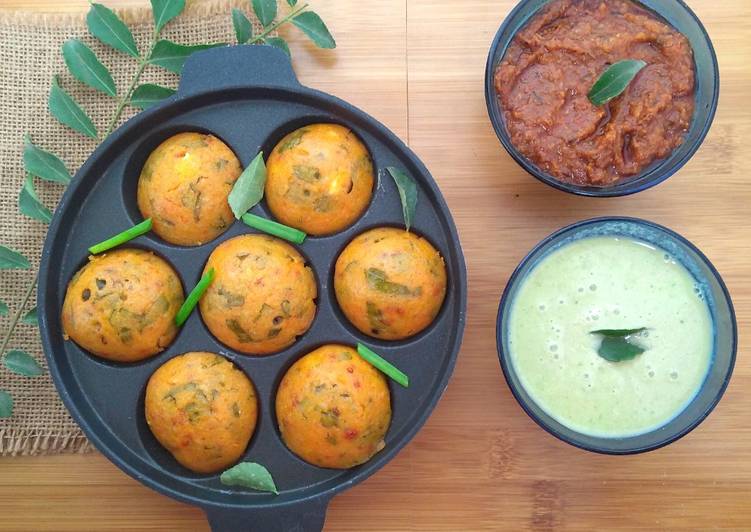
[125,99]
[17,317]
[292,14]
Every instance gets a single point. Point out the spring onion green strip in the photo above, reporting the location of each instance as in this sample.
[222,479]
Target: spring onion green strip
[380,364]
[122,238]
[274,228]
[192,300]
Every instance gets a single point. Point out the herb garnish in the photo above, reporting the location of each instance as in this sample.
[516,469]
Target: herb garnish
[614,80]
[618,344]
[248,189]
[249,475]
[407,193]
[374,359]
[121,238]
[274,228]
[192,300]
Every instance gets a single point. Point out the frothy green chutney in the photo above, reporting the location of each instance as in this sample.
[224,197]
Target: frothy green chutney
[610,283]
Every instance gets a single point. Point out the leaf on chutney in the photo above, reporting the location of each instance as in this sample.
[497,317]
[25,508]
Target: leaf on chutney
[85,67]
[618,345]
[618,332]
[249,475]
[407,193]
[614,80]
[106,26]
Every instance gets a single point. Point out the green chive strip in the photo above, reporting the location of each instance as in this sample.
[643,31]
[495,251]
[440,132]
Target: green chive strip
[379,363]
[274,228]
[122,238]
[192,300]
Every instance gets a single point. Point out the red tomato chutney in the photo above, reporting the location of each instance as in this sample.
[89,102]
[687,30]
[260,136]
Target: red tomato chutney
[550,66]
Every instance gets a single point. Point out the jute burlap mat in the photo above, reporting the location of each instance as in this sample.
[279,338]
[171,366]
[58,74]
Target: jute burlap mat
[29,57]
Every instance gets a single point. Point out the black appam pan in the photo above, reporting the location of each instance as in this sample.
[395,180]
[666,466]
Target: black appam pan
[249,97]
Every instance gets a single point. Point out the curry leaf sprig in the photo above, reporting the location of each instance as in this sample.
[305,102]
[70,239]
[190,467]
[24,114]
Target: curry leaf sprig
[84,66]
[266,11]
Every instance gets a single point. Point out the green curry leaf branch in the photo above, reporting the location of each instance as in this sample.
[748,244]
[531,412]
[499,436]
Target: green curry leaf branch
[84,65]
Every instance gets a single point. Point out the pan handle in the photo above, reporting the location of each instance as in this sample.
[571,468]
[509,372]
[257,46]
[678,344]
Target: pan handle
[236,66]
[301,517]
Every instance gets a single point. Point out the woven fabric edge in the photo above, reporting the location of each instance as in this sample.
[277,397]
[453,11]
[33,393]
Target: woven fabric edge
[130,15]
[27,442]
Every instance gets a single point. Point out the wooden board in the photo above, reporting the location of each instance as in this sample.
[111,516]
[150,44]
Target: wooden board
[480,463]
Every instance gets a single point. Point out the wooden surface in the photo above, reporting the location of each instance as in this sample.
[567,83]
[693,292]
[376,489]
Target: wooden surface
[480,463]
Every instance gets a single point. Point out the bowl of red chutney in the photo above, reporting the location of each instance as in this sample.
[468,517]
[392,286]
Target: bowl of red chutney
[553,62]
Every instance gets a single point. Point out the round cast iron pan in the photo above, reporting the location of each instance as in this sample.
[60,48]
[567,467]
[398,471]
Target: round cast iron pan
[249,97]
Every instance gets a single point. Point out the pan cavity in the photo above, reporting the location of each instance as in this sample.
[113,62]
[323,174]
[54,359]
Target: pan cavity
[320,176]
[180,177]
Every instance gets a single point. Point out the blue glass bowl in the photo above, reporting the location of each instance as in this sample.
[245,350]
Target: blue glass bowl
[720,306]
[707,92]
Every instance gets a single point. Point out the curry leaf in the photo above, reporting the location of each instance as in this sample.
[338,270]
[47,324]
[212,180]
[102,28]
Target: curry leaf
[29,204]
[43,163]
[67,111]
[278,42]
[312,25]
[614,80]
[106,26]
[12,260]
[85,67]
[243,27]
[618,332]
[292,3]
[164,11]
[31,317]
[172,56]
[407,193]
[6,404]
[618,344]
[22,363]
[265,10]
[248,189]
[249,475]
[3,308]
[148,95]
